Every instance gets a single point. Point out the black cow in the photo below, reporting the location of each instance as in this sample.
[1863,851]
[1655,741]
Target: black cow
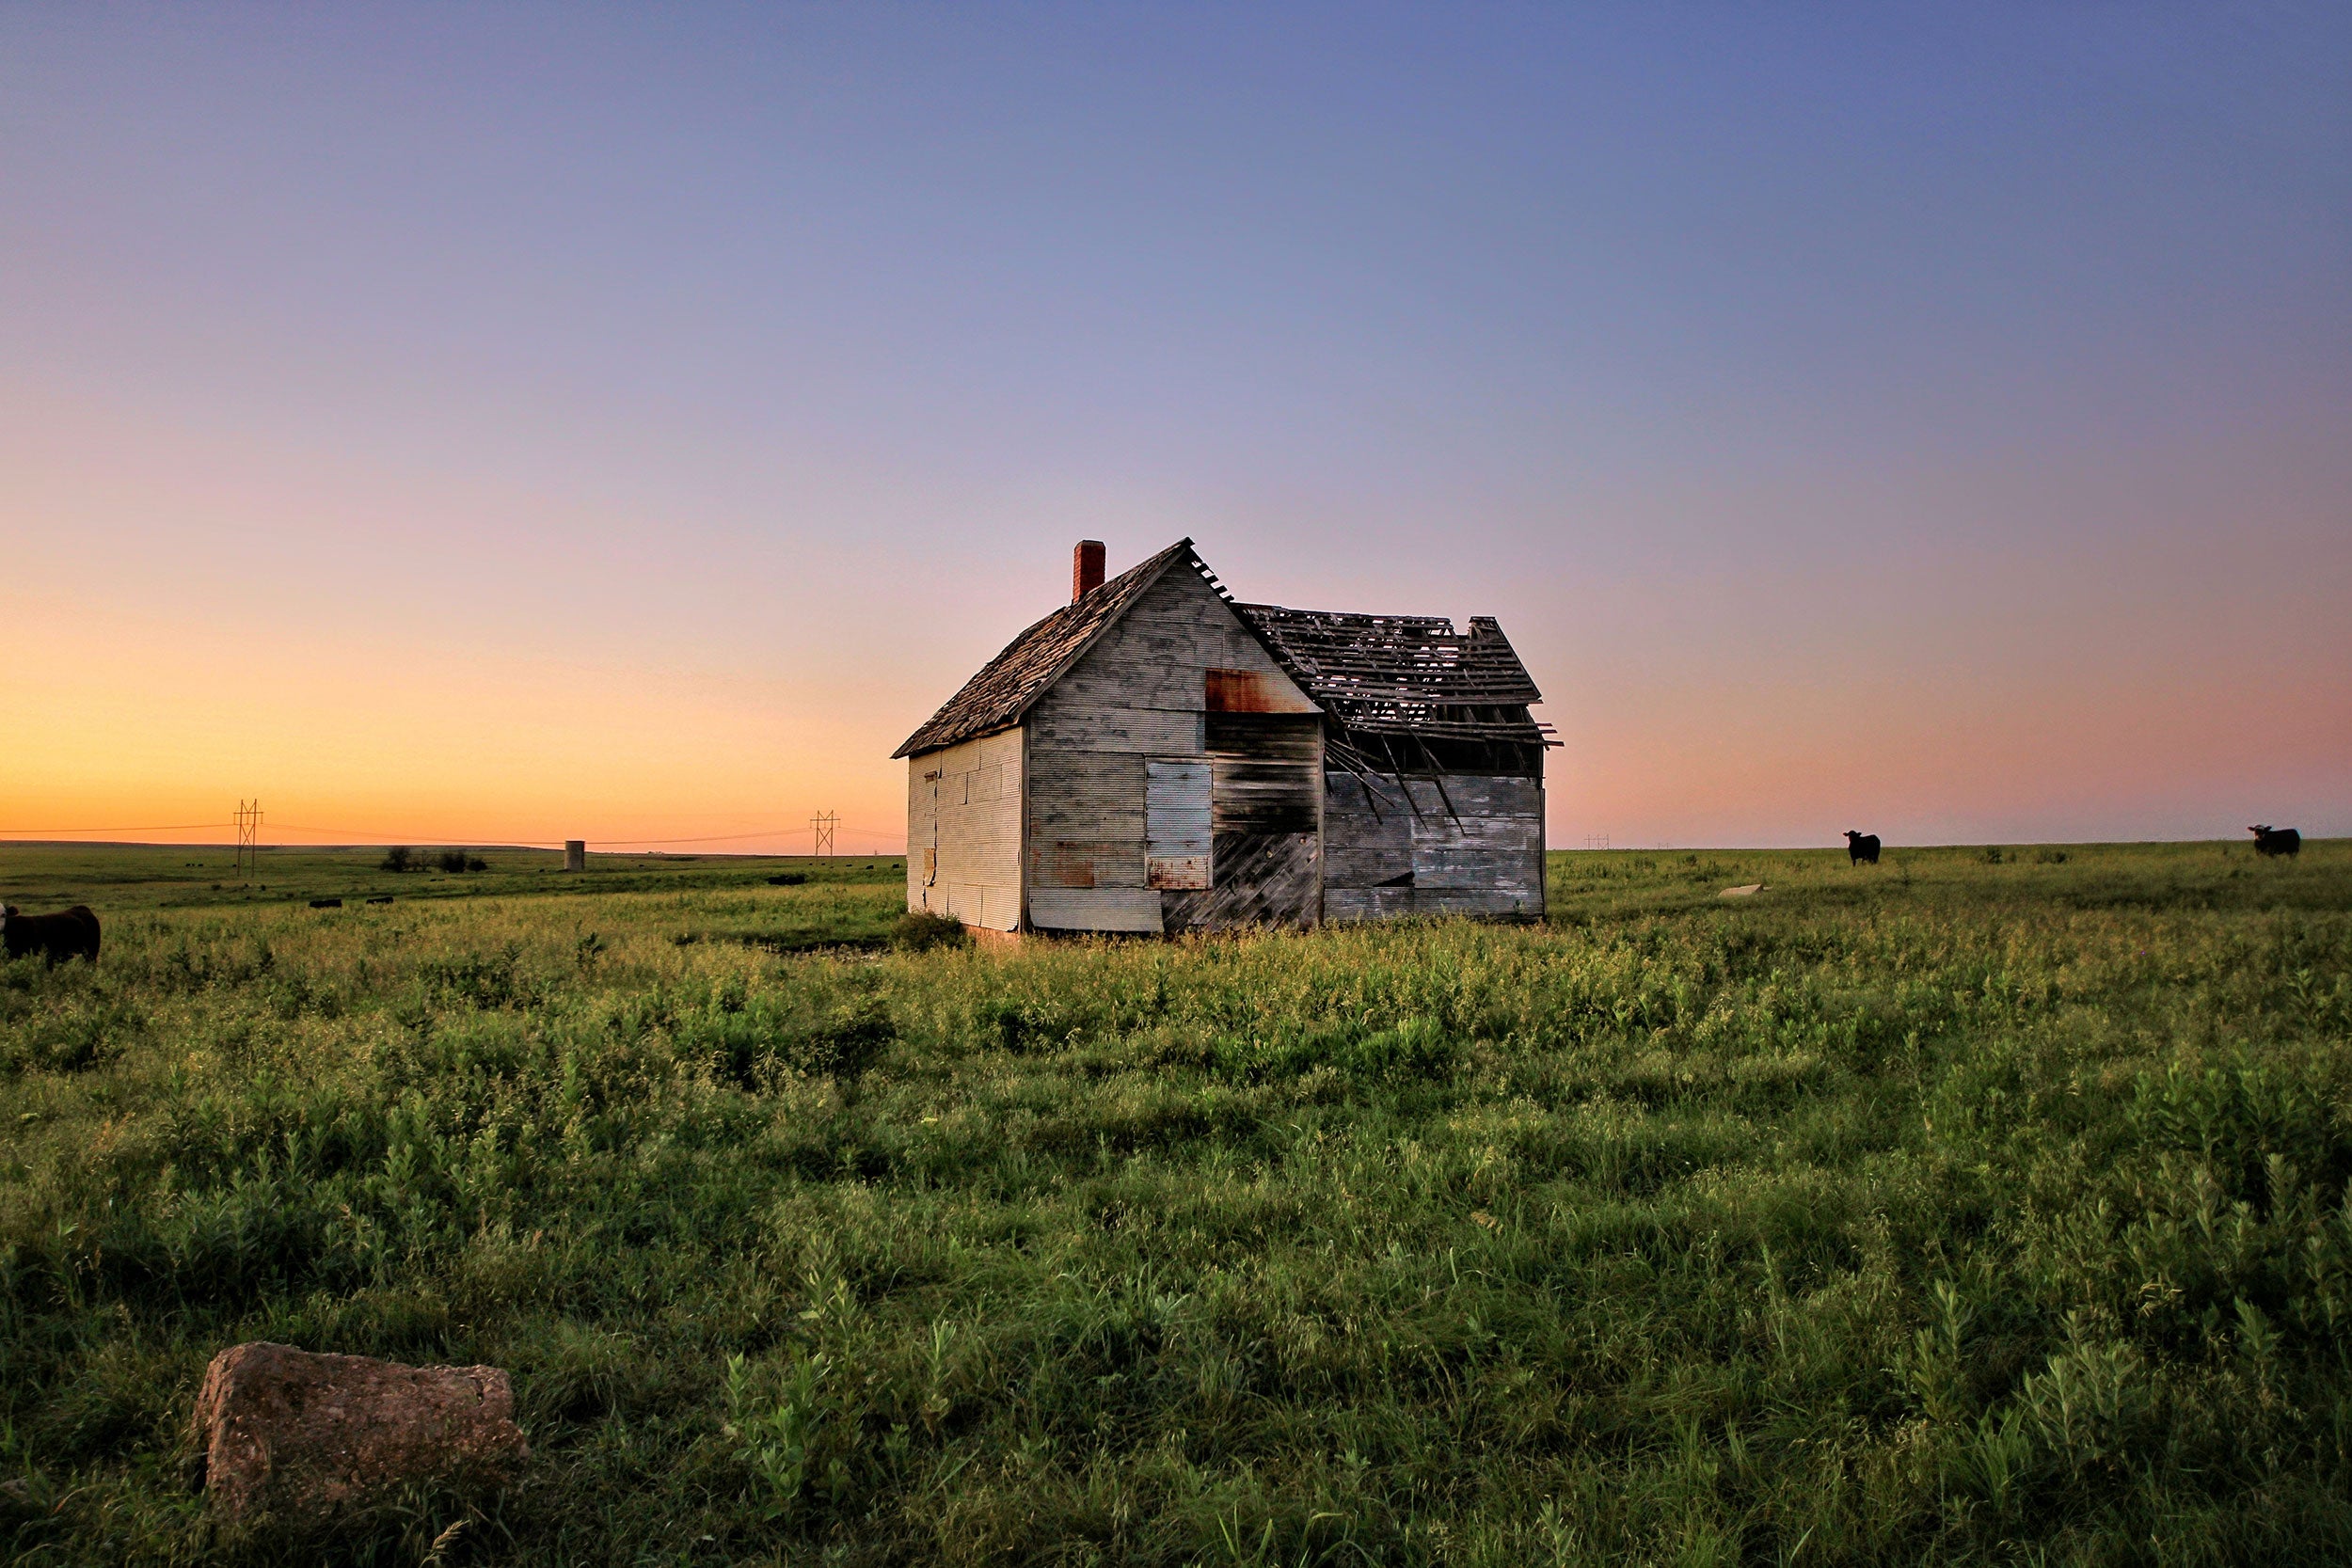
[2276,840]
[1861,846]
[68,934]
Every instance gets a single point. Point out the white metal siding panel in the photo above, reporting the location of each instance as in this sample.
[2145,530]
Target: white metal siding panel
[921,818]
[964,856]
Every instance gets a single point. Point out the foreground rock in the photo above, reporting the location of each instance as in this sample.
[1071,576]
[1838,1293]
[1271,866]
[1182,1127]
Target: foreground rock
[293,1434]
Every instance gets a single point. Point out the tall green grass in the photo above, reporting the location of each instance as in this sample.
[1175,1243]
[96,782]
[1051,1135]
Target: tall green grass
[1956,1210]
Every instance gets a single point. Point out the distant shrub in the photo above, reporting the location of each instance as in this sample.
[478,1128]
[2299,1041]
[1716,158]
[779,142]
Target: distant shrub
[398,858]
[457,859]
[1991,855]
[2051,857]
[918,931]
[788,879]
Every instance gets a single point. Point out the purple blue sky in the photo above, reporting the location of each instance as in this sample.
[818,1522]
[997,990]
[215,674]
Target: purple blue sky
[513,423]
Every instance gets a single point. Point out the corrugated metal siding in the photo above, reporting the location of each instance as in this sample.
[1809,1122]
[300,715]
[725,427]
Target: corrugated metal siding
[1177,843]
[963,832]
[1100,908]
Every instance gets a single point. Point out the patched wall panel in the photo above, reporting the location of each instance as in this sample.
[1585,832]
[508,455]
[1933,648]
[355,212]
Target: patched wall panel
[1179,845]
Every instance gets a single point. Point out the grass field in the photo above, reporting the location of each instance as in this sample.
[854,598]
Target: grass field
[1969,1208]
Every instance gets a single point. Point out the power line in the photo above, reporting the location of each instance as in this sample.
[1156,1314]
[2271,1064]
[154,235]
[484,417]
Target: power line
[712,838]
[369,836]
[166,828]
[820,829]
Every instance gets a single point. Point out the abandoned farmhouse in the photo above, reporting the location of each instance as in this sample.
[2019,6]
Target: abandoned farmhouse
[1155,756]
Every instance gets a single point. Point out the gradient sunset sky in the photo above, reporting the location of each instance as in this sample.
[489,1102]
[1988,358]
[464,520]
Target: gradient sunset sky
[515,422]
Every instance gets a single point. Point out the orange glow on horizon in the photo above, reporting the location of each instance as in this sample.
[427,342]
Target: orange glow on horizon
[163,724]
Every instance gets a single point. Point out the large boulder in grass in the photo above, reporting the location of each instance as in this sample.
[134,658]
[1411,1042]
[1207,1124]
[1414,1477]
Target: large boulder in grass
[297,1435]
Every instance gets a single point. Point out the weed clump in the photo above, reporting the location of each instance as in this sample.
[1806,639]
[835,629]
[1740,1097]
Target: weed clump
[920,931]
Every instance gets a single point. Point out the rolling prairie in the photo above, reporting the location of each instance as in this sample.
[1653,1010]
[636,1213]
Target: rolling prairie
[1980,1207]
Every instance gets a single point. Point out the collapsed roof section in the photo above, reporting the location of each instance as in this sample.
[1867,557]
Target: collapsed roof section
[1406,676]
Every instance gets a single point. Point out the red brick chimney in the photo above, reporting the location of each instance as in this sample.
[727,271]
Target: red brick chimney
[1086,569]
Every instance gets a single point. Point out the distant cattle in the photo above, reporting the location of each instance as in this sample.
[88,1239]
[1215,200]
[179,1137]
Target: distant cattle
[2276,840]
[68,934]
[1861,846]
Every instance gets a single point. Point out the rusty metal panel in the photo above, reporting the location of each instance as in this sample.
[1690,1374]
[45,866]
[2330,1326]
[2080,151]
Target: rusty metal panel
[1177,872]
[1244,689]
[1241,692]
[1066,863]
[1179,842]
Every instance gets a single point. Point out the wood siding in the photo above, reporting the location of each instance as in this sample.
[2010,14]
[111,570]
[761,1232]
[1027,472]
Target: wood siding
[963,832]
[1463,843]
[1142,695]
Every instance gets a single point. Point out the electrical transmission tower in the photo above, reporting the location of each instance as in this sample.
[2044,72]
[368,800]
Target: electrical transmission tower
[248,837]
[820,827]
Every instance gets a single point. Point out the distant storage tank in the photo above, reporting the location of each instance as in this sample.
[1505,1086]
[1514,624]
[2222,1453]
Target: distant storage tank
[574,854]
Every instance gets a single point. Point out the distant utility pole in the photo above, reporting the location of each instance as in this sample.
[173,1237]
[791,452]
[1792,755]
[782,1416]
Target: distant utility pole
[248,837]
[820,829]
[1596,841]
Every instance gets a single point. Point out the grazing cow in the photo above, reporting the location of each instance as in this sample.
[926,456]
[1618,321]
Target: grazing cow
[68,934]
[2276,840]
[1861,846]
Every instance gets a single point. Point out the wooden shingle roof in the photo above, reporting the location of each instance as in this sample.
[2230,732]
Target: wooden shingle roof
[997,697]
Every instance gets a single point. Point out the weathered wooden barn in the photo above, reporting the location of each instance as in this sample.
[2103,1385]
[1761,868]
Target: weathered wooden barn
[1155,756]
